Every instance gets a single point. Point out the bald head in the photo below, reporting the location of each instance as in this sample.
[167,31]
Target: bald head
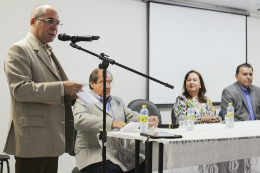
[39,10]
[41,28]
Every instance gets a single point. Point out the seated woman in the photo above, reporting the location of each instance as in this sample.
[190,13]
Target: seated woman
[193,93]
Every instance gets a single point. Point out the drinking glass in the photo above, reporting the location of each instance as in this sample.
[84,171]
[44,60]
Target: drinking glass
[182,120]
[213,112]
[225,119]
[220,119]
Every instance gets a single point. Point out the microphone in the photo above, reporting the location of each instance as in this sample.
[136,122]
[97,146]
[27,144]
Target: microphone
[168,126]
[76,38]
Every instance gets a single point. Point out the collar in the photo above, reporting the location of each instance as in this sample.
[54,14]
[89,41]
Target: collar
[101,98]
[48,48]
[243,88]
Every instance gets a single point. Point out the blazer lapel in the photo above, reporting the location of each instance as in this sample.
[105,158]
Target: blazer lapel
[59,68]
[114,108]
[41,53]
[99,105]
[253,99]
[241,93]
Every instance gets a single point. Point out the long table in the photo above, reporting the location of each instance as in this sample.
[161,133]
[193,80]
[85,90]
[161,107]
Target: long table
[200,150]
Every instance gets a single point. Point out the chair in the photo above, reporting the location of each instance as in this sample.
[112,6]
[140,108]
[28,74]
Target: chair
[136,105]
[75,170]
[4,158]
[174,120]
[222,116]
[72,153]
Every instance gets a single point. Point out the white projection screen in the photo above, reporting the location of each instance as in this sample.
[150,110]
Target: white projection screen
[183,39]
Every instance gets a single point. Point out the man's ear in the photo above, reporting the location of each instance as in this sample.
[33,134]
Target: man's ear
[92,84]
[33,21]
[236,76]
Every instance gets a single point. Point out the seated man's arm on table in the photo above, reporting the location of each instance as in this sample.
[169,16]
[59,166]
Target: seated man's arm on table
[225,99]
[84,121]
[128,113]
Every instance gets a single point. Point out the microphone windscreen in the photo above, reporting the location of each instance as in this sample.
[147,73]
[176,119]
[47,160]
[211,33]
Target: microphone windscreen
[95,37]
[60,37]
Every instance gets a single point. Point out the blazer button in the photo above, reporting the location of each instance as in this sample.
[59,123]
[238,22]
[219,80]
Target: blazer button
[62,104]
[62,122]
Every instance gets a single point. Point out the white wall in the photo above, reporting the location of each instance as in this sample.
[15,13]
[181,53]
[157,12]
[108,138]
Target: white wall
[122,26]
[253,30]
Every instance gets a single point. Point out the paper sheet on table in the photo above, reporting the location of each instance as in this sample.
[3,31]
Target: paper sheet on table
[130,127]
[87,98]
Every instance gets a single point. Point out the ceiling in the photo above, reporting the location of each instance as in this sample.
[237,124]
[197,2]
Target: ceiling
[246,5]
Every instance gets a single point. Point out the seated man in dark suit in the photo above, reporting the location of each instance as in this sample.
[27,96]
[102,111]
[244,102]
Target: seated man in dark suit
[88,121]
[244,96]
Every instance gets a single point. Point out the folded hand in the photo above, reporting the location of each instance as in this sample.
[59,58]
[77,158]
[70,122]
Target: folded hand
[118,124]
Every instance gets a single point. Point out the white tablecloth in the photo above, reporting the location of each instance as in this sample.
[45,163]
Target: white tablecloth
[201,150]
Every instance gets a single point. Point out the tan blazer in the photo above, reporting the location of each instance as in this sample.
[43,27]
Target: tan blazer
[88,121]
[39,114]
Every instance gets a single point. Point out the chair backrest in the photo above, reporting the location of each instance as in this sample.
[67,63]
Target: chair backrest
[220,114]
[136,105]
[72,153]
[174,120]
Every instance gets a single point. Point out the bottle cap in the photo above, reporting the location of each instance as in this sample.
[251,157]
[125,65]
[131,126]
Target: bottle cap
[230,104]
[143,106]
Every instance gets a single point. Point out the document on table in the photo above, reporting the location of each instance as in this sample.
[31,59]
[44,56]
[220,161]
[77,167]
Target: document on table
[130,127]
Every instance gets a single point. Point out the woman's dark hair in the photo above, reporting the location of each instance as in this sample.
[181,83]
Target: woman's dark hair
[202,90]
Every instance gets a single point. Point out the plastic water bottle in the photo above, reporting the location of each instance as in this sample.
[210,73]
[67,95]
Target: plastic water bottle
[144,119]
[190,118]
[230,116]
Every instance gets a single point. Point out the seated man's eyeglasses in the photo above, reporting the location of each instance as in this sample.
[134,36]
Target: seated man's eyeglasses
[51,22]
[110,83]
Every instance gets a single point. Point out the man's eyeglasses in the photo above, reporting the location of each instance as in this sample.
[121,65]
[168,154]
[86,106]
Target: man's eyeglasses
[51,22]
[111,83]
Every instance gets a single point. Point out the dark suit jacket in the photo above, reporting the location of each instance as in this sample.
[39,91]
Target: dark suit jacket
[234,94]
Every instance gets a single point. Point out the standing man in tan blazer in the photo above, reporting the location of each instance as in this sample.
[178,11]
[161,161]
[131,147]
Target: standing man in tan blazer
[41,122]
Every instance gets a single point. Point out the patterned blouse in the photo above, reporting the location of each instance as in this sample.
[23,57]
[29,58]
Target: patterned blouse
[182,103]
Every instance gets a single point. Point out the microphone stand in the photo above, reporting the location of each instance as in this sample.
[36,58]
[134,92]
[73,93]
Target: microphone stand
[104,65]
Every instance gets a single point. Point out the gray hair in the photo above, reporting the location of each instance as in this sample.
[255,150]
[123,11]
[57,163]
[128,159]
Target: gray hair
[94,76]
